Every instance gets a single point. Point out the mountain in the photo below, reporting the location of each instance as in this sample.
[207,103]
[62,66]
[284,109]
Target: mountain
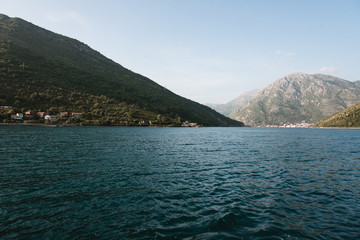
[229,107]
[350,117]
[298,98]
[45,71]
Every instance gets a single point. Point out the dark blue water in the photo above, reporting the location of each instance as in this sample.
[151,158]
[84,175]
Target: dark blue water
[179,183]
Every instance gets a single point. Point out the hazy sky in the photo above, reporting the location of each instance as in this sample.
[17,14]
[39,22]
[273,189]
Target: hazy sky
[209,50]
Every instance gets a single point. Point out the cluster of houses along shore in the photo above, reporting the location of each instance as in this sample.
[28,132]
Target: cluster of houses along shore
[30,114]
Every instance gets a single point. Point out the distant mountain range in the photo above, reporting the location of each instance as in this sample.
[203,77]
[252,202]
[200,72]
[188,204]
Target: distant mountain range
[41,70]
[297,98]
[232,106]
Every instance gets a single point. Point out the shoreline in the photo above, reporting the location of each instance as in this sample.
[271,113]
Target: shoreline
[74,125]
[80,125]
[37,124]
[336,127]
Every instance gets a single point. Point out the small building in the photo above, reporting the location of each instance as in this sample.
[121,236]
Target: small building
[63,114]
[50,117]
[189,124]
[17,116]
[28,116]
[30,112]
[77,115]
[42,114]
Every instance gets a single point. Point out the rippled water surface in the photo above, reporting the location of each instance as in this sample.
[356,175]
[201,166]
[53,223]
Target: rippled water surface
[179,183]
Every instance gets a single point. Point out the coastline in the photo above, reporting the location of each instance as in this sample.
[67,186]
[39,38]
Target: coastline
[81,125]
[39,124]
[336,127]
[78,125]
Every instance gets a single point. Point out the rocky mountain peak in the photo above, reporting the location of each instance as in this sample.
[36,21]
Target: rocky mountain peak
[297,75]
[298,97]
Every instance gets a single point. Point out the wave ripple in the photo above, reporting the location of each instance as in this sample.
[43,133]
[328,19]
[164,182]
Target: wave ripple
[176,183]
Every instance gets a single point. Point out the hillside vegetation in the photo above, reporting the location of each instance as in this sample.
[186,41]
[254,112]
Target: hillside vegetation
[41,70]
[350,117]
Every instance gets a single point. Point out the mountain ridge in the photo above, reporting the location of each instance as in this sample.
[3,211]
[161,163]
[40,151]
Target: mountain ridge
[229,107]
[297,98]
[53,61]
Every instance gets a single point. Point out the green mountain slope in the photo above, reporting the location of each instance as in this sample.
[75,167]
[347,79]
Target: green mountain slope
[41,70]
[298,98]
[350,117]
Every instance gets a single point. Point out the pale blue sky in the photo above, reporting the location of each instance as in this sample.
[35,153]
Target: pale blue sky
[209,50]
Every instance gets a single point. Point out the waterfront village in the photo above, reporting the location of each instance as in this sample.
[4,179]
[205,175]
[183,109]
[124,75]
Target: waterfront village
[45,116]
[35,117]
[297,125]
[32,115]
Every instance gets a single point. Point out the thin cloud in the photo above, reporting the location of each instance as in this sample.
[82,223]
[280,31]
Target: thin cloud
[329,70]
[284,53]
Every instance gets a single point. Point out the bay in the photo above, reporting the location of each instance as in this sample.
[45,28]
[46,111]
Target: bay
[179,183]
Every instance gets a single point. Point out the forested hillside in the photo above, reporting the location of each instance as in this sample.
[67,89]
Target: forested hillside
[349,117]
[41,70]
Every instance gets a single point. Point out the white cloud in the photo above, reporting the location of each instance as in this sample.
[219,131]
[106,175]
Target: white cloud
[289,54]
[329,70]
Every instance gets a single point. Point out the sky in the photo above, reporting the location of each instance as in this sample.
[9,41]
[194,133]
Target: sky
[209,51]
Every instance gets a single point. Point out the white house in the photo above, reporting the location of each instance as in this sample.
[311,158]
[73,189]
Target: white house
[50,117]
[18,116]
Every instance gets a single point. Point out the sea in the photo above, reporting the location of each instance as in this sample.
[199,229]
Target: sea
[179,183]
